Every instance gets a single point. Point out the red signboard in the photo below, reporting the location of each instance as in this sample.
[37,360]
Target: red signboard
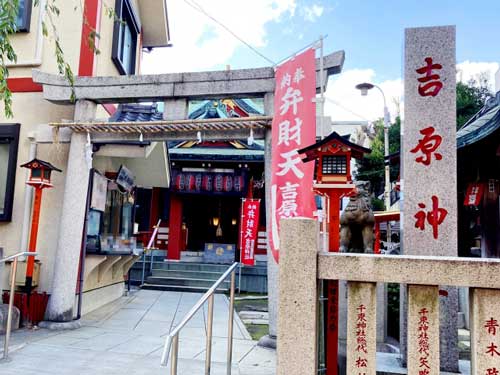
[474,194]
[294,127]
[248,230]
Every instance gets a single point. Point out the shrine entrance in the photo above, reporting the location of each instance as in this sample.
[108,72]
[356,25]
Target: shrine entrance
[211,220]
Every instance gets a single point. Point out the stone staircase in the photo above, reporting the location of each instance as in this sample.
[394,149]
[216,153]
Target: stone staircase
[186,277]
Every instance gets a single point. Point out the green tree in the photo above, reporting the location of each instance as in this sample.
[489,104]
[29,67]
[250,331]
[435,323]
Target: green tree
[471,97]
[371,167]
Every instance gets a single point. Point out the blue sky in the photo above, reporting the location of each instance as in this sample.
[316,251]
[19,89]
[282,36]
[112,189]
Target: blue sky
[369,31]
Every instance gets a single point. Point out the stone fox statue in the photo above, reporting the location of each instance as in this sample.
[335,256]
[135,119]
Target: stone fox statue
[357,222]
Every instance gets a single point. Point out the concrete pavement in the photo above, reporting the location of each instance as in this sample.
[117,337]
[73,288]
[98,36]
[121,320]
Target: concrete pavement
[128,336]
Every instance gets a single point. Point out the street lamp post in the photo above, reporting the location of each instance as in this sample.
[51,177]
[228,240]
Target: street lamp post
[364,87]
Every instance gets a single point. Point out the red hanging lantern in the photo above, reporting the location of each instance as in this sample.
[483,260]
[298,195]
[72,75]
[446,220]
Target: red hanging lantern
[228,183]
[207,182]
[180,182]
[218,183]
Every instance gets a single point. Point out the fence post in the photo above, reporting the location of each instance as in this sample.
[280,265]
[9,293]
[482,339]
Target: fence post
[361,328]
[423,329]
[298,298]
[484,324]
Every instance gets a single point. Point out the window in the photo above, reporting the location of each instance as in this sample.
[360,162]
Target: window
[334,164]
[9,139]
[24,15]
[125,35]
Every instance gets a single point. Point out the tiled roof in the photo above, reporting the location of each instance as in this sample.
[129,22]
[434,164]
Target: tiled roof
[484,123]
[218,109]
[136,112]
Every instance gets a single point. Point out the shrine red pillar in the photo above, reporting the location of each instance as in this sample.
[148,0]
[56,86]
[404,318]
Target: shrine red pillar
[376,248]
[332,315]
[175,228]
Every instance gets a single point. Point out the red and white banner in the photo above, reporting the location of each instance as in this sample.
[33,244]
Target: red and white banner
[248,230]
[294,127]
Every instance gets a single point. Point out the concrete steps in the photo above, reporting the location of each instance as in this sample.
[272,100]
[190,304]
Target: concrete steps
[179,288]
[206,275]
[190,266]
[186,277]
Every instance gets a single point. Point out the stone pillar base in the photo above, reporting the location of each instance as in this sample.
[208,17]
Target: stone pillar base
[4,312]
[267,341]
[60,326]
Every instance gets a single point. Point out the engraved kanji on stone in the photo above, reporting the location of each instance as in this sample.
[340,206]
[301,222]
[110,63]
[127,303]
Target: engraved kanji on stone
[491,325]
[361,362]
[431,84]
[491,371]
[424,362]
[427,146]
[492,350]
[435,217]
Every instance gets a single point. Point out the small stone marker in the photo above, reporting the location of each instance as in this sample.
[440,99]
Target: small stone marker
[485,331]
[429,174]
[423,330]
[361,328]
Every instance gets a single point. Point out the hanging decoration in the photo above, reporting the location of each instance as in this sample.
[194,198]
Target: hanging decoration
[88,151]
[218,232]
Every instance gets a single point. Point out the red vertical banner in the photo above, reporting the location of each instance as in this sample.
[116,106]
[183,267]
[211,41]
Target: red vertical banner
[294,127]
[248,230]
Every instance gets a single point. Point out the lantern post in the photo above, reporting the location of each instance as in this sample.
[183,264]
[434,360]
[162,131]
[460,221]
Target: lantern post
[39,179]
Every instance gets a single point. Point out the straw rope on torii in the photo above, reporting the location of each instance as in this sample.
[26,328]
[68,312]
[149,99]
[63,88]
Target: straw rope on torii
[171,129]
[261,122]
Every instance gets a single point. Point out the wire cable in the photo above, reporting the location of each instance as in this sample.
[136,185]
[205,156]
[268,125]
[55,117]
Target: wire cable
[199,8]
[346,109]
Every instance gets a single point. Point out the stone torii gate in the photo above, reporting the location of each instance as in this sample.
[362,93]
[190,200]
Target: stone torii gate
[175,90]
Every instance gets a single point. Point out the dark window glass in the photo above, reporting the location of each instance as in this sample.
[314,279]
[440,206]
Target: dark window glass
[46,174]
[36,173]
[24,15]
[9,139]
[125,36]
[334,164]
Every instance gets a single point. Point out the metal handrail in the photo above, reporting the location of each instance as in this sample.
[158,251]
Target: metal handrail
[14,257]
[149,248]
[173,337]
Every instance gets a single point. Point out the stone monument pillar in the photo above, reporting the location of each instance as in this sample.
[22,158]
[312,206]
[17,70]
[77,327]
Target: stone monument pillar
[62,299]
[429,167]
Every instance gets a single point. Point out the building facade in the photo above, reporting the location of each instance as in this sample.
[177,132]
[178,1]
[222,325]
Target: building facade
[98,38]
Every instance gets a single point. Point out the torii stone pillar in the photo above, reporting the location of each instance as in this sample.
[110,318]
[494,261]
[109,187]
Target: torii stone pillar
[175,109]
[62,300]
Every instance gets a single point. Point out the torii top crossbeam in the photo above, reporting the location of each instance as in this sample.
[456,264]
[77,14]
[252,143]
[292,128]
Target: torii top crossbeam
[130,89]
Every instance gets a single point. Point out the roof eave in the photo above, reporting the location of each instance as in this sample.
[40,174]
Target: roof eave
[155,24]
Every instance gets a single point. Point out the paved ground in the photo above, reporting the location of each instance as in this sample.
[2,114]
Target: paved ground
[128,337]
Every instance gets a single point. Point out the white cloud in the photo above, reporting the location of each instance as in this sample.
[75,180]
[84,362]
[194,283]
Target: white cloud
[195,50]
[344,101]
[348,104]
[312,13]
[477,71]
